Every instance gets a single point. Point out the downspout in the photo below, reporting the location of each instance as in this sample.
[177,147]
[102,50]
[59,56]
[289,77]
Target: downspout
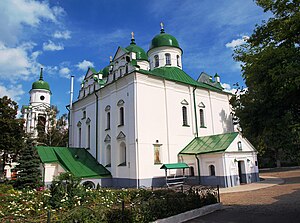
[96,125]
[198,164]
[136,139]
[195,111]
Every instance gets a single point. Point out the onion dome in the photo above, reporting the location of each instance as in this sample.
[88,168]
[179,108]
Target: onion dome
[140,53]
[41,84]
[163,39]
[105,71]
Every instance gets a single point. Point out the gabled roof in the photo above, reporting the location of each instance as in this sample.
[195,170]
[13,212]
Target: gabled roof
[178,75]
[174,166]
[78,161]
[209,144]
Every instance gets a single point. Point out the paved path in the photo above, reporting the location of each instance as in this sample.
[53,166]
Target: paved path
[274,200]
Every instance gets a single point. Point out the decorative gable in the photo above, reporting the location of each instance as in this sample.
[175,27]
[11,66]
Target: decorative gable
[121,136]
[120,102]
[120,52]
[88,121]
[107,139]
[184,102]
[201,105]
[79,124]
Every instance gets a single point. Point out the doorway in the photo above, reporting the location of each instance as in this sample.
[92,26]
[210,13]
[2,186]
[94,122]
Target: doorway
[242,172]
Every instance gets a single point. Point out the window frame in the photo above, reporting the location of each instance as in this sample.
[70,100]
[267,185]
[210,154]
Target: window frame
[212,170]
[184,116]
[168,59]
[156,61]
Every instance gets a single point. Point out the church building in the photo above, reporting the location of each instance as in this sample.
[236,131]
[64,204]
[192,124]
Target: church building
[142,118]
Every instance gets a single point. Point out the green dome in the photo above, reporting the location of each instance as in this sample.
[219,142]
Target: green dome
[140,53]
[163,39]
[105,71]
[41,84]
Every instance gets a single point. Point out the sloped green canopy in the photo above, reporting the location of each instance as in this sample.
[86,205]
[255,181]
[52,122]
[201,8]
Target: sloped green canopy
[77,161]
[174,166]
[209,144]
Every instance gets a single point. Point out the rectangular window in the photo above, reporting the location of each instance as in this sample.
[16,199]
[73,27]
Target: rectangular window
[157,154]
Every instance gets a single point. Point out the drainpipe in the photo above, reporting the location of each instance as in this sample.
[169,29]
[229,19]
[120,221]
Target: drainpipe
[198,164]
[137,135]
[195,111]
[96,125]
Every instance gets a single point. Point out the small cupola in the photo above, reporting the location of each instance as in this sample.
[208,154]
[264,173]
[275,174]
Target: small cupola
[164,51]
[41,84]
[140,53]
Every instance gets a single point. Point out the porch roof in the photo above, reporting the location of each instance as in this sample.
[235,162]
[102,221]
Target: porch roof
[209,144]
[174,166]
[77,161]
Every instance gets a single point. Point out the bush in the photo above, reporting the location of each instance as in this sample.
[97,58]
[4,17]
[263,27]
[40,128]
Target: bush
[68,201]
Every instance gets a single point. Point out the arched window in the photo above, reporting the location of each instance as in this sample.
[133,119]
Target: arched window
[89,137]
[107,120]
[239,144]
[202,123]
[177,58]
[168,59]
[88,184]
[108,156]
[121,116]
[184,116]
[212,171]
[122,154]
[156,61]
[79,137]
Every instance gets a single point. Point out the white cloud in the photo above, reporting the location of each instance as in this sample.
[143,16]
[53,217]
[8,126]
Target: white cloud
[65,72]
[81,78]
[62,34]
[17,13]
[236,91]
[50,46]
[13,91]
[237,42]
[17,62]
[84,65]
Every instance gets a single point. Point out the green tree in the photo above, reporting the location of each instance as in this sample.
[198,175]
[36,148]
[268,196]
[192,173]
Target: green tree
[269,111]
[11,131]
[29,172]
[56,133]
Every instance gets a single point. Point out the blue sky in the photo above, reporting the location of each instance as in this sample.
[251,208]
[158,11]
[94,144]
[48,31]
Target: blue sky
[67,36]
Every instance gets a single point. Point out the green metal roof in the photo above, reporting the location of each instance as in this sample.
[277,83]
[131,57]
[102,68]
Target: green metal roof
[164,39]
[93,70]
[174,166]
[41,84]
[177,75]
[209,144]
[140,53]
[76,160]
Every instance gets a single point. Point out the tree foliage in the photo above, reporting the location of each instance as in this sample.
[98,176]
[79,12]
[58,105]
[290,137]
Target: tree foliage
[28,168]
[11,131]
[56,133]
[269,111]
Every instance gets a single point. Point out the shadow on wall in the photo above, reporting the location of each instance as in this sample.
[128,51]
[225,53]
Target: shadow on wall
[226,121]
